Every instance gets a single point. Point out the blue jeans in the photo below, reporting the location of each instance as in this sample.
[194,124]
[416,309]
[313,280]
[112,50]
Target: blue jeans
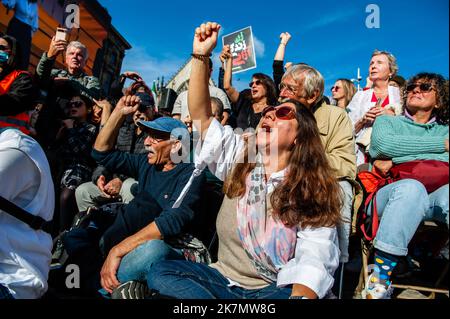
[136,264]
[188,280]
[402,206]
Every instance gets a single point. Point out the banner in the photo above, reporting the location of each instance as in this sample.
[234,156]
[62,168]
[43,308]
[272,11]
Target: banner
[242,48]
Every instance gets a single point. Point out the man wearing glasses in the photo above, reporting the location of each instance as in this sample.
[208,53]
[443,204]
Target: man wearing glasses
[162,179]
[306,85]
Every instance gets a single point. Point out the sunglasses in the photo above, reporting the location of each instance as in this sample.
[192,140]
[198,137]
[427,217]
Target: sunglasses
[257,82]
[76,104]
[335,88]
[424,87]
[281,112]
[4,48]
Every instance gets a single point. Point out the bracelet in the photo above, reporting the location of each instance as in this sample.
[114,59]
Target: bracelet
[201,57]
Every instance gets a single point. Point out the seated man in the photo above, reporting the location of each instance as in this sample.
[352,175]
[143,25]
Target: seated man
[24,252]
[421,134]
[164,207]
[106,185]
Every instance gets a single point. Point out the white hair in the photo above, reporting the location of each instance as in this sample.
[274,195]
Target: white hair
[80,46]
[313,79]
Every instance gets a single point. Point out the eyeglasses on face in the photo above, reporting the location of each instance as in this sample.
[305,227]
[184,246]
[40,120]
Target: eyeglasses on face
[424,87]
[257,82]
[281,112]
[335,88]
[76,104]
[289,88]
[4,48]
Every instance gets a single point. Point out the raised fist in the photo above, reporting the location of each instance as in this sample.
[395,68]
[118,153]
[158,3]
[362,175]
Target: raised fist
[205,38]
[285,37]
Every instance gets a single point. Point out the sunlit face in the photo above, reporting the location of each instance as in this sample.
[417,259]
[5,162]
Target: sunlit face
[379,68]
[159,148]
[291,89]
[77,108]
[421,100]
[338,91]
[278,132]
[258,89]
[75,60]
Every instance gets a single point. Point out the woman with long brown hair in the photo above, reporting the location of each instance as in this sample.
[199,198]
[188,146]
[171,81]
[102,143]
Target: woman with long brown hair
[277,225]
[343,91]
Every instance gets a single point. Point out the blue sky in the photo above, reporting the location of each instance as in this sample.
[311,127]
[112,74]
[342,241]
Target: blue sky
[327,34]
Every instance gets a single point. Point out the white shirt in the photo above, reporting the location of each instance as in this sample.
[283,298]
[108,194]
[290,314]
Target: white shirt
[317,251]
[25,254]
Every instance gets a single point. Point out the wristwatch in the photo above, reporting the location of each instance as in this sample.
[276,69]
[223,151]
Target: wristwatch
[298,297]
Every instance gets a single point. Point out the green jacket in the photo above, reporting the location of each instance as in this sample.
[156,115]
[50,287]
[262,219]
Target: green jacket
[83,83]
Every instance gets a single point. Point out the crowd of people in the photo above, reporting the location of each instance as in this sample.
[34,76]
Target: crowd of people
[233,195]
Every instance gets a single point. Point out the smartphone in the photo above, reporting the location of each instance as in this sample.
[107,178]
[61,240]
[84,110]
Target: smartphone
[61,34]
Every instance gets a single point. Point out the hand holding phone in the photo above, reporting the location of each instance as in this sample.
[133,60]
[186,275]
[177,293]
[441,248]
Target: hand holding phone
[61,34]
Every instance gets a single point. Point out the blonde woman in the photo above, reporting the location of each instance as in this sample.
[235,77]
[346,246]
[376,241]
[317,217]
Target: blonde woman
[379,99]
[343,91]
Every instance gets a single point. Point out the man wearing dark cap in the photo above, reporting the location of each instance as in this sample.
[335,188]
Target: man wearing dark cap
[161,210]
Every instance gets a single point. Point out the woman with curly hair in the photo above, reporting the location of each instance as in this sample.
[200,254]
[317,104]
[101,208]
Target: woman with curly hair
[277,225]
[420,134]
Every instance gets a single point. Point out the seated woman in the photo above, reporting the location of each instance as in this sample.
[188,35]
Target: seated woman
[248,104]
[343,91]
[74,140]
[377,100]
[421,134]
[277,225]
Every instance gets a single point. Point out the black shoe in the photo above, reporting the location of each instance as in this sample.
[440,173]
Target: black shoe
[131,290]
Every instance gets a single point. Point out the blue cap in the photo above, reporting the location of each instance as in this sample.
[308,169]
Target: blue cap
[169,125]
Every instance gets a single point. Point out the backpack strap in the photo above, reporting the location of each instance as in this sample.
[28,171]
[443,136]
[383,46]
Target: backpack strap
[35,222]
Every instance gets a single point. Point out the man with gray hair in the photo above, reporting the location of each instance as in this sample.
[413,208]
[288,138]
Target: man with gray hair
[74,76]
[61,84]
[305,84]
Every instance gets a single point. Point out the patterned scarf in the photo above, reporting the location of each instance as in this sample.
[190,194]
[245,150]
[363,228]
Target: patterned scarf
[267,241]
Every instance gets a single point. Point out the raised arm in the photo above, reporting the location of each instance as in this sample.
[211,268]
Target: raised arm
[227,57]
[284,40]
[199,100]
[278,60]
[108,135]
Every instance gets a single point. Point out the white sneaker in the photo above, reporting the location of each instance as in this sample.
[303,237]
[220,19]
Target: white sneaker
[376,290]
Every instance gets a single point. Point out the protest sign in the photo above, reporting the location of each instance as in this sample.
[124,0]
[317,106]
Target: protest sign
[242,48]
